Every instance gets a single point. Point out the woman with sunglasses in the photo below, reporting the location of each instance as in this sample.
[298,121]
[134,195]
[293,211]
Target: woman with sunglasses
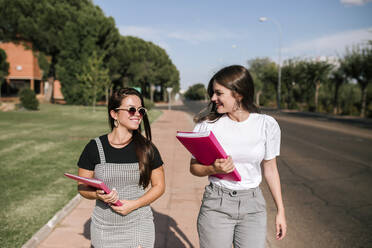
[234,212]
[128,163]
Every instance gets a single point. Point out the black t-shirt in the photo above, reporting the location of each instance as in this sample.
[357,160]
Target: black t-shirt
[90,156]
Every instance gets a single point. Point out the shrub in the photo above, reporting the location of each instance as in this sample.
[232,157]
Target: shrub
[148,103]
[28,99]
[196,92]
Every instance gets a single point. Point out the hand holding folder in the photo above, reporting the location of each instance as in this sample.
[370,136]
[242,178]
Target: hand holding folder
[206,149]
[94,183]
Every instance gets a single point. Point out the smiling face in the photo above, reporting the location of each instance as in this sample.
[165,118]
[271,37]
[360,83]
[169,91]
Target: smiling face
[224,99]
[125,118]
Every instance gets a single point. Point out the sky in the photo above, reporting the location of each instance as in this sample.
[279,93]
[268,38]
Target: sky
[203,36]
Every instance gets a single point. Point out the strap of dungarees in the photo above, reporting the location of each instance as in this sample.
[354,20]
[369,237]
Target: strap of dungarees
[100,151]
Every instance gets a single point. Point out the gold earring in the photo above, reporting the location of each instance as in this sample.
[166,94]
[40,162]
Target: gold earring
[116,123]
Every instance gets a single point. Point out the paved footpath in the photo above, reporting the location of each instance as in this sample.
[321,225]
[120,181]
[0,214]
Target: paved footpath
[175,212]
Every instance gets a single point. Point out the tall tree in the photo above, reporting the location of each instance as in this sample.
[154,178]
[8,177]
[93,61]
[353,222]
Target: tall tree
[91,31]
[95,78]
[4,68]
[56,27]
[259,68]
[337,78]
[291,77]
[357,64]
[316,72]
[40,23]
[143,64]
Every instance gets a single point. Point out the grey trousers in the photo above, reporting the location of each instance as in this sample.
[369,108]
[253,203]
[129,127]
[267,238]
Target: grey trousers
[229,217]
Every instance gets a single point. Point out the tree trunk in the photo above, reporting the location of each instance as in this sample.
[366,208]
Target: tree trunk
[107,94]
[49,95]
[335,100]
[258,94]
[364,100]
[49,92]
[164,94]
[152,88]
[1,85]
[94,99]
[317,86]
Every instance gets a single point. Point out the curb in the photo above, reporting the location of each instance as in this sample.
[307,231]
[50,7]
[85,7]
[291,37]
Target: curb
[40,235]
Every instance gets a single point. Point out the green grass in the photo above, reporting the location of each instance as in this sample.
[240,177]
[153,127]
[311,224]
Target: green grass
[36,148]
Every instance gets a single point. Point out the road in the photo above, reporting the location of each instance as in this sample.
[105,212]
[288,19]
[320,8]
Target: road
[326,173]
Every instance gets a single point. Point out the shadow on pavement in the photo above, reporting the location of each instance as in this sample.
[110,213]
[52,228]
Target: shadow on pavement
[167,232]
[86,232]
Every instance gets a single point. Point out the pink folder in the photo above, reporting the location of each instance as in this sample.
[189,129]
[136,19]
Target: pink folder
[94,183]
[206,149]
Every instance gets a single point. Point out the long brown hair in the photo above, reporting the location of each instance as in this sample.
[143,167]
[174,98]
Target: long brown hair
[143,145]
[237,79]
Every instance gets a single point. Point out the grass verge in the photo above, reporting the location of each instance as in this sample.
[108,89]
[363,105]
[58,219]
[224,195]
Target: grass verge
[36,148]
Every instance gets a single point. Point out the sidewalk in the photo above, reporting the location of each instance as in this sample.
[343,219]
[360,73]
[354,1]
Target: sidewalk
[175,213]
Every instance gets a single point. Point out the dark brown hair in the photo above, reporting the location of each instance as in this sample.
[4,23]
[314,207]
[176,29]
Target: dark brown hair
[143,145]
[237,79]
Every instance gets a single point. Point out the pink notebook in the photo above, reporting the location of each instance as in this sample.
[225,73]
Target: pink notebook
[206,149]
[94,183]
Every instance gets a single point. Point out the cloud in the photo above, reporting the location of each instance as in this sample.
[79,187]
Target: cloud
[142,32]
[355,2]
[147,33]
[189,36]
[200,36]
[334,44]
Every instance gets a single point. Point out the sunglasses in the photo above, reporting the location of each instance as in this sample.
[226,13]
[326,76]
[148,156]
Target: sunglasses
[132,110]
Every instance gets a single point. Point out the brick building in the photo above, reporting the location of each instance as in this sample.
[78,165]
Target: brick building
[24,72]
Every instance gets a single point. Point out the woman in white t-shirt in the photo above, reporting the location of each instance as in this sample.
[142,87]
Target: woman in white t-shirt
[234,212]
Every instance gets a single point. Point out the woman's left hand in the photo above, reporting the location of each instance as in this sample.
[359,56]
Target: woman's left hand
[281,226]
[127,207]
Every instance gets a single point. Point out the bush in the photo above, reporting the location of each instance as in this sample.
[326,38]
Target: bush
[28,99]
[148,103]
[196,92]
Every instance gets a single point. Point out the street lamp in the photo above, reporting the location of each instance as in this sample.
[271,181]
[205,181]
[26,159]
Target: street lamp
[264,19]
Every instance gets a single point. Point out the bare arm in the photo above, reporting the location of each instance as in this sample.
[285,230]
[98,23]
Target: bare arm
[156,190]
[91,193]
[219,166]
[85,190]
[271,174]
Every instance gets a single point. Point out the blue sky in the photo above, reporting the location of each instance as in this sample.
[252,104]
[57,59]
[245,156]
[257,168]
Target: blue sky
[203,36]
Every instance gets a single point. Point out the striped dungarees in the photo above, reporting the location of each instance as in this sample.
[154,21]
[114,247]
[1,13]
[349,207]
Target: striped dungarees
[110,229]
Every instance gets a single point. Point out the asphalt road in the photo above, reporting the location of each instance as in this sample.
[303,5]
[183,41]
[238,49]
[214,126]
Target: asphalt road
[326,173]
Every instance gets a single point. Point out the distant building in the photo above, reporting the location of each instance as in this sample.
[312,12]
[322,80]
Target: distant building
[24,72]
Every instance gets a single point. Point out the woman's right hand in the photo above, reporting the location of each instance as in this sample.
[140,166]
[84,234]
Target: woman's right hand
[223,166]
[108,198]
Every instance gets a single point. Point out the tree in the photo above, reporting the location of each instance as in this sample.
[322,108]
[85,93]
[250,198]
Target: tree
[66,31]
[337,78]
[95,78]
[196,92]
[4,68]
[143,64]
[91,31]
[291,78]
[357,64]
[40,23]
[270,79]
[316,72]
[259,68]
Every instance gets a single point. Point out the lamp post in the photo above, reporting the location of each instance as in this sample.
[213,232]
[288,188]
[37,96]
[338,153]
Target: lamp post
[264,19]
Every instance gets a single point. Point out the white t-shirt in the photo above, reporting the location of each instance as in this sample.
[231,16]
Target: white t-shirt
[248,143]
